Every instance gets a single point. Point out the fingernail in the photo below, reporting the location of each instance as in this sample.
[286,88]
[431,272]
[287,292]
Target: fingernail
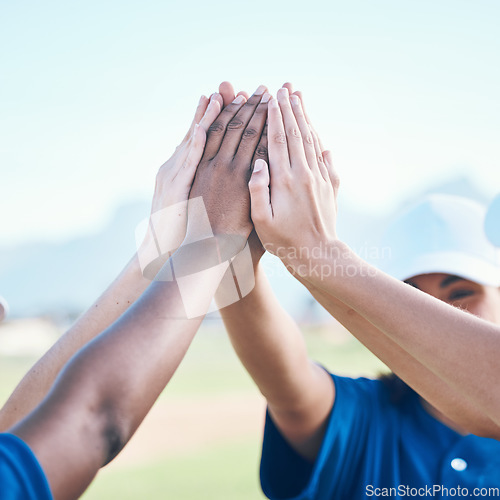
[239,99]
[259,165]
[201,99]
[214,96]
[273,103]
[283,92]
[266,97]
[260,90]
[294,99]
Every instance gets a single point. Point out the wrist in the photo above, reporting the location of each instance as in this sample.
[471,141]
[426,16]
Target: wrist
[328,261]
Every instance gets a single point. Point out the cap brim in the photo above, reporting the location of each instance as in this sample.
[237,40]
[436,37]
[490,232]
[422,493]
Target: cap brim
[458,264]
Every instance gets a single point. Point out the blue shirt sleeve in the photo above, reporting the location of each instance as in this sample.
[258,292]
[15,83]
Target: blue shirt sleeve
[21,476]
[286,475]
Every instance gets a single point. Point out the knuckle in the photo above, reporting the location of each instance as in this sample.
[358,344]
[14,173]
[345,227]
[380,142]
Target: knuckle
[216,128]
[309,139]
[250,133]
[235,124]
[294,132]
[279,138]
[218,163]
[287,181]
[261,151]
[309,184]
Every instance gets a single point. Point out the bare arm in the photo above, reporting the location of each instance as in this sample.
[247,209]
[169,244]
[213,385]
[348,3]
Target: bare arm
[448,398]
[430,386]
[129,285]
[457,349]
[271,347]
[422,327]
[124,291]
[106,389]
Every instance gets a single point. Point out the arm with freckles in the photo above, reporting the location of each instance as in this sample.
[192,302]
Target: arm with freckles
[173,182]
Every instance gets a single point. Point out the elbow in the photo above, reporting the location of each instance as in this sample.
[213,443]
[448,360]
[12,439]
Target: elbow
[115,431]
[113,441]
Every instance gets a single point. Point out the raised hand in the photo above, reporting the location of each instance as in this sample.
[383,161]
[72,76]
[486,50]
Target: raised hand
[175,177]
[293,202]
[167,223]
[235,140]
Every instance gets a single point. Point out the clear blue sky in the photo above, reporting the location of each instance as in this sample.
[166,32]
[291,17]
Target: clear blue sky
[95,95]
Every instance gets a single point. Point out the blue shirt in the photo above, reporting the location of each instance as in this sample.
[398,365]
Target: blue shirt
[372,445]
[21,476]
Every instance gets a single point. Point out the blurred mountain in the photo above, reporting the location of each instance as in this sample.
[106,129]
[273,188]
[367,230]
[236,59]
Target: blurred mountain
[62,279]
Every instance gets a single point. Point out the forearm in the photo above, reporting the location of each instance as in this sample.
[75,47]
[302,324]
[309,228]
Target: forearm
[450,343]
[105,391]
[269,344]
[119,296]
[432,388]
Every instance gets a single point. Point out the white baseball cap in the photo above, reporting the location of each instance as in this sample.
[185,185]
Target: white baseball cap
[442,234]
[492,222]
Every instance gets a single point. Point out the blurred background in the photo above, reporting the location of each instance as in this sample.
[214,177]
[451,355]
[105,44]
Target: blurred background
[94,97]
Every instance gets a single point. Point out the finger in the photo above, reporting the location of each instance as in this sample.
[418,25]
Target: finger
[217,130]
[289,87]
[319,155]
[293,135]
[212,112]
[195,152]
[260,201]
[243,93]
[226,90]
[200,110]
[332,173]
[237,126]
[219,98]
[261,153]
[252,134]
[279,160]
[305,131]
[299,93]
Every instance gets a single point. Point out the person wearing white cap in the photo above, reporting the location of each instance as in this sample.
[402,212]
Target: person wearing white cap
[328,436]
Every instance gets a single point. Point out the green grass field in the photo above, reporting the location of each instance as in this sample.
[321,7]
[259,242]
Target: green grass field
[196,454]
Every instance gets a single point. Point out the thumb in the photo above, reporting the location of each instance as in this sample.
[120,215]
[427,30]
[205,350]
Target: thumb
[260,200]
[332,173]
